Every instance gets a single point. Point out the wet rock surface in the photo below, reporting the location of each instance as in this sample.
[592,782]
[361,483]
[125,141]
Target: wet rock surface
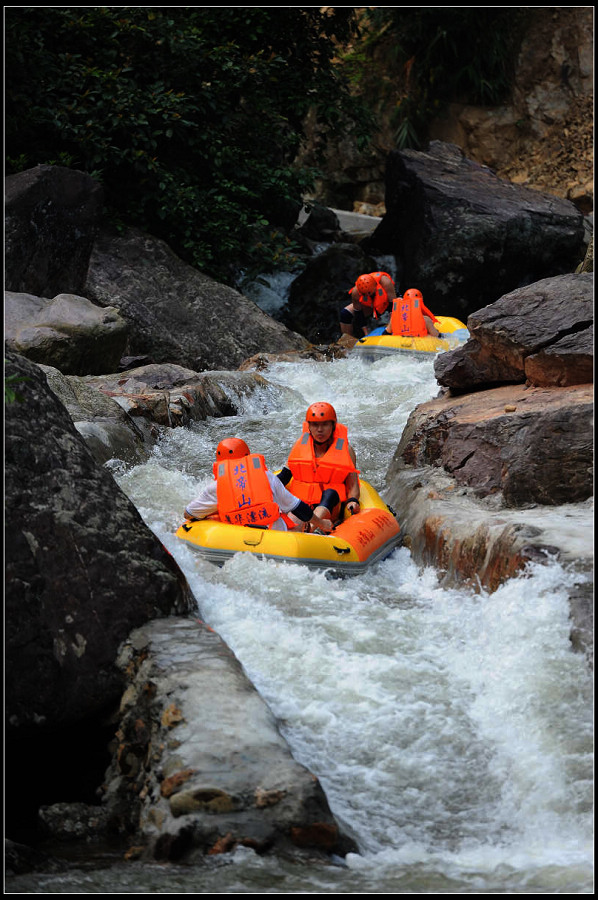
[121,415]
[177,785]
[479,469]
[478,542]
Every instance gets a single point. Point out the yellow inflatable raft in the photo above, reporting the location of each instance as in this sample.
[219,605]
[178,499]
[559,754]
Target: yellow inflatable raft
[354,545]
[377,344]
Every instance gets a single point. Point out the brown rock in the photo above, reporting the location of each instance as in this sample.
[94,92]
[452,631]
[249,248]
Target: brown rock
[322,835]
[172,784]
[568,361]
[542,333]
[540,453]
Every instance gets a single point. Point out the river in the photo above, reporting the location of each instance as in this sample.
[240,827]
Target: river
[451,730]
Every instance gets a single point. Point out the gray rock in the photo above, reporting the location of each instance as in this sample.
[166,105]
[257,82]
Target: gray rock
[81,567]
[120,416]
[67,332]
[108,429]
[51,215]
[465,237]
[171,395]
[174,312]
[200,765]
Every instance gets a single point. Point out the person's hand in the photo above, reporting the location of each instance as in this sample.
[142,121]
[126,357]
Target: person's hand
[353,506]
[324,525]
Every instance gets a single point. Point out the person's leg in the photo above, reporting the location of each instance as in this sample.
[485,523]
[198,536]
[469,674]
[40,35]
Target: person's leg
[431,327]
[329,506]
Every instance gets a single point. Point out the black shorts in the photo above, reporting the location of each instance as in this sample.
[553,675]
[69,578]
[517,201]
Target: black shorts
[329,499]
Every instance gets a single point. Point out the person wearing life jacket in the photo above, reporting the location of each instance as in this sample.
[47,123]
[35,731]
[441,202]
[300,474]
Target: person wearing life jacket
[410,317]
[245,492]
[370,296]
[322,464]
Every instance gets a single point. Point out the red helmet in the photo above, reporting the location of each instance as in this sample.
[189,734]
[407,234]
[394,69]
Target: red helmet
[231,448]
[365,284]
[413,294]
[320,412]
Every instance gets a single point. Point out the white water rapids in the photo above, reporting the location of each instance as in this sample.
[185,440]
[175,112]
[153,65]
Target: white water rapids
[451,731]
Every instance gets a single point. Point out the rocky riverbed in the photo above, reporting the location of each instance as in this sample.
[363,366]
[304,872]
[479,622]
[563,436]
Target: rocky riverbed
[474,478]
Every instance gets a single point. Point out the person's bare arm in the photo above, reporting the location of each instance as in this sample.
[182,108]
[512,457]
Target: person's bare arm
[388,285]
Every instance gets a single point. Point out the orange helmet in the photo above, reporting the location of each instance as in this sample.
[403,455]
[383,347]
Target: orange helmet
[365,284]
[320,412]
[231,448]
[413,294]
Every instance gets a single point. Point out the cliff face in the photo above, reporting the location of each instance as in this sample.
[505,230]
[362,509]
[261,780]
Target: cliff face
[542,138]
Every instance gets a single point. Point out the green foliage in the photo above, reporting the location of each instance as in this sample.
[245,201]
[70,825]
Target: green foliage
[443,54]
[191,117]
[10,395]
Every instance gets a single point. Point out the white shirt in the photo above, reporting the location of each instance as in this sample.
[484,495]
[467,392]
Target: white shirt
[206,504]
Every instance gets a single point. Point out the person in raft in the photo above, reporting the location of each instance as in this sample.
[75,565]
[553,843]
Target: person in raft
[370,296]
[245,492]
[322,465]
[410,317]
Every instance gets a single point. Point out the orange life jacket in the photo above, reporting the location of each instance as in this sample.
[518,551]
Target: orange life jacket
[380,297]
[311,476]
[243,492]
[407,317]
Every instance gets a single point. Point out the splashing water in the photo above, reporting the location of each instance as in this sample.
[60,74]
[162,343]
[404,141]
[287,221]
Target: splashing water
[451,731]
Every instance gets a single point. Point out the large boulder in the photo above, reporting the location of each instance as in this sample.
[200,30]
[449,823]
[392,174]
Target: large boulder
[51,215]
[542,333]
[221,775]
[465,237]
[121,416]
[81,567]
[174,312]
[109,431]
[534,446]
[318,294]
[67,332]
